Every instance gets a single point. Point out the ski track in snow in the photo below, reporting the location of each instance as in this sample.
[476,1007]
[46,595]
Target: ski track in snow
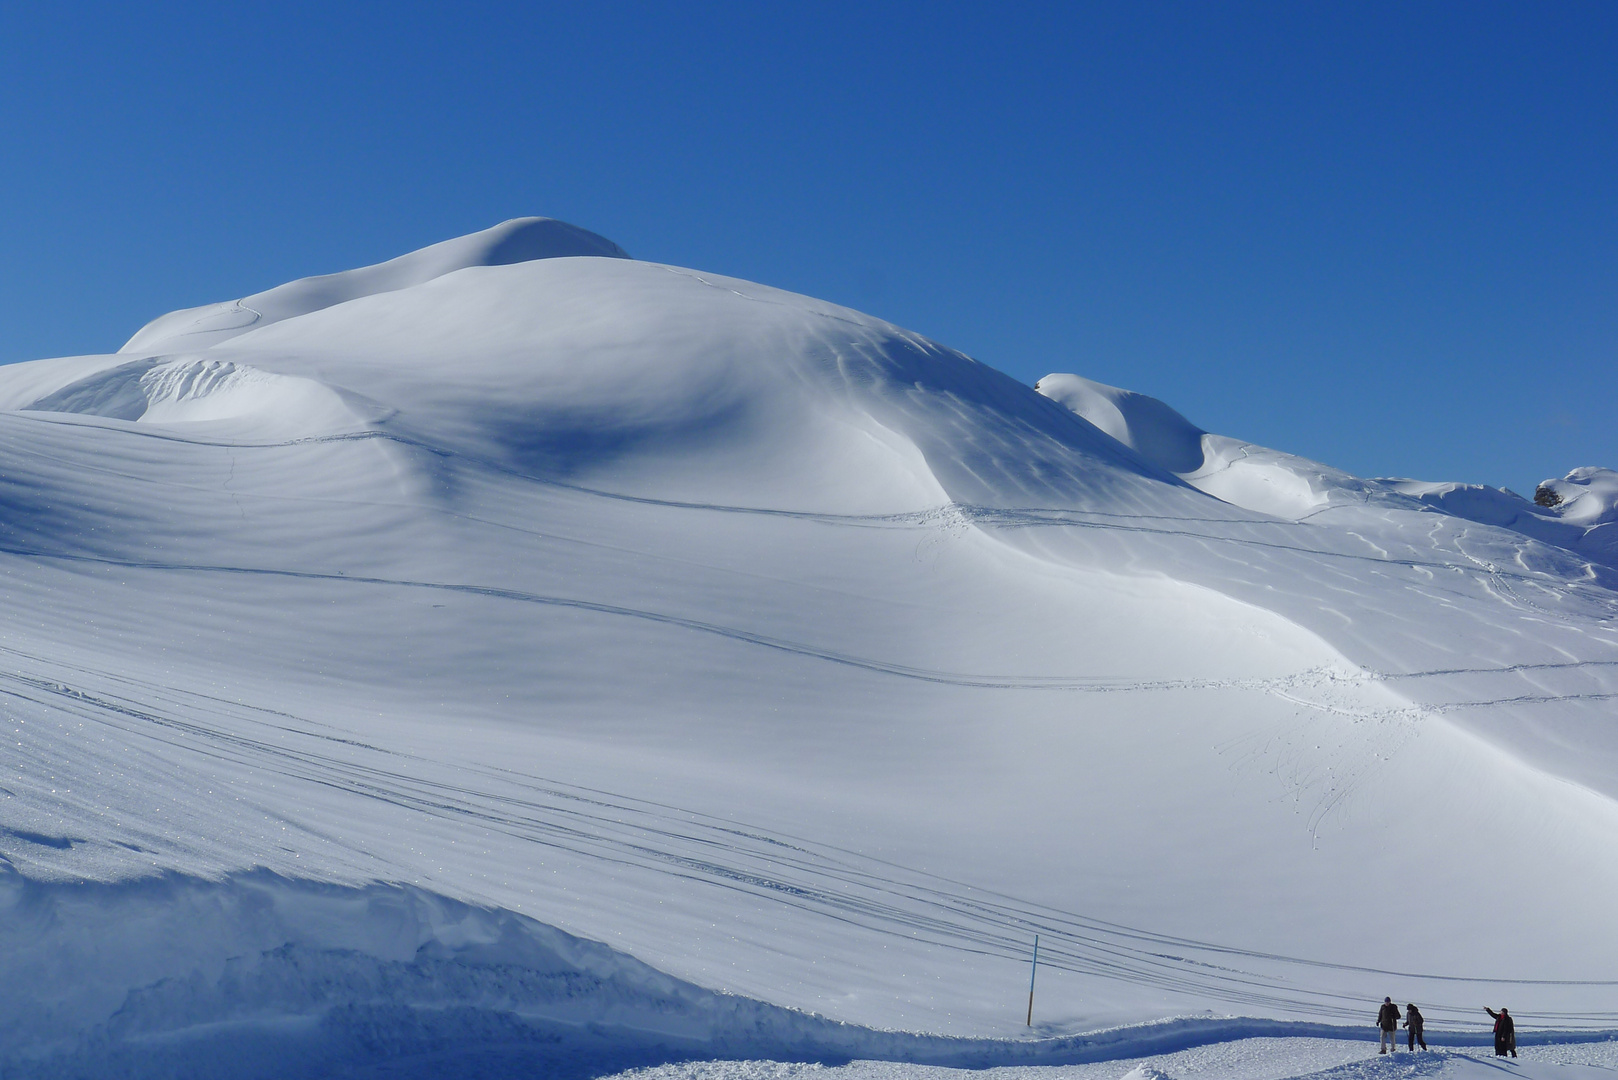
[613,828]
[1088,684]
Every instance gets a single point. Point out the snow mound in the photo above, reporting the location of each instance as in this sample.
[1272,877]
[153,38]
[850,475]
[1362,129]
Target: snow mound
[199,389]
[1269,481]
[514,241]
[1252,477]
[1144,424]
[1587,496]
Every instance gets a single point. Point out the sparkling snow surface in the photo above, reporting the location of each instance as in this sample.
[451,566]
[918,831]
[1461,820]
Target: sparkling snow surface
[783,650]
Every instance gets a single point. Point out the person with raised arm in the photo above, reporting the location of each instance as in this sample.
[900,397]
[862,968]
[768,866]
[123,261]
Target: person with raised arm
[1505,1032]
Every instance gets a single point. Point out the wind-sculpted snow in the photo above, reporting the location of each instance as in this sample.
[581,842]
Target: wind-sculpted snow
[261,976]
[1252,477]
[800,658]
[1579,512]
[191,390]
[1587,497]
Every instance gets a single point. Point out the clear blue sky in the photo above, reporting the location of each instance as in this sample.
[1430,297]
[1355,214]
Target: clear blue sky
[1384,236]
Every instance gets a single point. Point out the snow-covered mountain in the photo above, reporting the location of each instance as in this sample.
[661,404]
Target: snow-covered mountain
[388,640]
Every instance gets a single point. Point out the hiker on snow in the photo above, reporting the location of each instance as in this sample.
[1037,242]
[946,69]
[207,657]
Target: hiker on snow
[1387,1018]
[1413,1024]
[1505,1032]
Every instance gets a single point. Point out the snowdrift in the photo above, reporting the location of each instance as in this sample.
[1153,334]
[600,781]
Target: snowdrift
[515,596]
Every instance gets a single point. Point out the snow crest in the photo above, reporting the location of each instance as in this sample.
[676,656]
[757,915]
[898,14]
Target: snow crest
[1249,476]
[514,241]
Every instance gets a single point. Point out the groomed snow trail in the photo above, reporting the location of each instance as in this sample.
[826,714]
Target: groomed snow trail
[791,654]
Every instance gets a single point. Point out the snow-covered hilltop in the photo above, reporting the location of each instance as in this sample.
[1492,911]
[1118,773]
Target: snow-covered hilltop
[377,645]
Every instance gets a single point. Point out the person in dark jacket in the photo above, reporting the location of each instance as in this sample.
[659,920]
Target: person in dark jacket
[1505,1032]
[1413,1024]
[1387,1018]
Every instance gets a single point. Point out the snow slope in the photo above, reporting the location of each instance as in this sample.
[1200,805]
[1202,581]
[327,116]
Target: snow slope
[786,652]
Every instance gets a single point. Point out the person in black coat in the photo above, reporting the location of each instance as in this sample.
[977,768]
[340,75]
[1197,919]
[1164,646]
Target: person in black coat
[1505,1032]
[1413,1022]
[1387,1018]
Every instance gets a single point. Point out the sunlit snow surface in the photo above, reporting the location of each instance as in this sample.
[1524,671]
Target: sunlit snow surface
[1242,1059]
[790,654]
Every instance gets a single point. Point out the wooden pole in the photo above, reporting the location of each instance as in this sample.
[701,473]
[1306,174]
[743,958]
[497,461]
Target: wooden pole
[1032,971]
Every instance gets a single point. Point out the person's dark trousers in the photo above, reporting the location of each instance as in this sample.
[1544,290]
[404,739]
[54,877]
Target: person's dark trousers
[1416,1036]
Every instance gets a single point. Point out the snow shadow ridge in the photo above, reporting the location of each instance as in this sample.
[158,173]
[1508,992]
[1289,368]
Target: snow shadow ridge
[258,976]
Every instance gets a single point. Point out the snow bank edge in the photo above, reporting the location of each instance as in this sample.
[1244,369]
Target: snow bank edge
[261,975]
